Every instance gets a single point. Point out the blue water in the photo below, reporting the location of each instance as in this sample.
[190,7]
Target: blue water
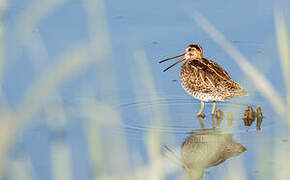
[160,29]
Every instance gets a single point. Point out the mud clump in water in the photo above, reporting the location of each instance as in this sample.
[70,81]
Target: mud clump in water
[245,118]
[202,116]
[250,116]
[259,118]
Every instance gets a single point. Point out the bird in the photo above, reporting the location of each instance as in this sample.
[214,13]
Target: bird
[204,79]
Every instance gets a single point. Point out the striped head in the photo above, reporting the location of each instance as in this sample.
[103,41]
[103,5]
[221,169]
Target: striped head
[193,51]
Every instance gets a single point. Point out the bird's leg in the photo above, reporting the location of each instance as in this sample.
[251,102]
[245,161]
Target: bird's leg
[201,108]
[213,107]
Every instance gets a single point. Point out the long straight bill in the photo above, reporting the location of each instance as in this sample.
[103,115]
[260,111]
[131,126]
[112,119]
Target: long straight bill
[182,54]
[173,64]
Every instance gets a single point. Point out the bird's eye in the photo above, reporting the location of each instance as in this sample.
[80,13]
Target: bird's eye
[189,49]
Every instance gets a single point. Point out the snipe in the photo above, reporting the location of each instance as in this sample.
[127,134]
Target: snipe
[205,79]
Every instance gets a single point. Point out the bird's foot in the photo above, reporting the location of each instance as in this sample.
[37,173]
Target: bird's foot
[200,115]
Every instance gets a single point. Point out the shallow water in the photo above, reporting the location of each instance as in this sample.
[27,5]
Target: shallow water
[111,117]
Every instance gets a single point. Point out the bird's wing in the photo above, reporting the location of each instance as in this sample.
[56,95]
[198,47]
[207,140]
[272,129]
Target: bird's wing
[208,72]
[216,68]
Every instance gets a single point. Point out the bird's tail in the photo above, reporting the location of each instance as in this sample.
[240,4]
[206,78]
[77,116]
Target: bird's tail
[238,90]
[233,89]
[241,93]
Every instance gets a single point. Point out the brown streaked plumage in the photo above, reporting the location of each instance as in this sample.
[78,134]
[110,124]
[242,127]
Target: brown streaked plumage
[205,79]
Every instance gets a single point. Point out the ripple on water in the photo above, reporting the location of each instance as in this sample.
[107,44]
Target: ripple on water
[179,116]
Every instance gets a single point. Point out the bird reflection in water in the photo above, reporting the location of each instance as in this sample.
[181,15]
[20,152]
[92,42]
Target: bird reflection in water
[207,148]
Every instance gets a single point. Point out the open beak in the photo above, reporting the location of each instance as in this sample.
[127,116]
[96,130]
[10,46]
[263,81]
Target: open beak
[182,54]
[174,64]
